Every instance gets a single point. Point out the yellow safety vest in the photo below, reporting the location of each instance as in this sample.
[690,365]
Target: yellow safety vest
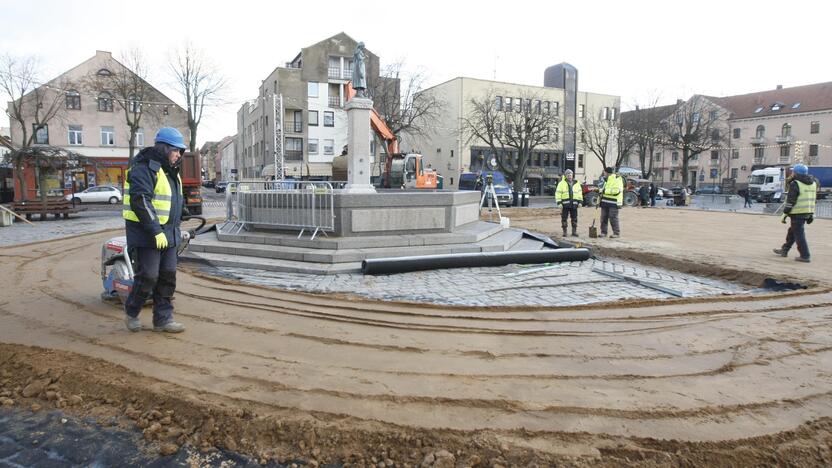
[162,193]
[805,203]
[613,190]
[562,192]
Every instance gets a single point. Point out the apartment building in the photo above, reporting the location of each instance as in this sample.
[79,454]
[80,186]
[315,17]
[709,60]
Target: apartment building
[91,123]
[313,90]
[777,127]
[6,171]
[448,148]
[228,159]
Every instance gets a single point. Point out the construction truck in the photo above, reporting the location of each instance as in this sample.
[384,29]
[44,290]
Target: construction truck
[191,174]
[401,170]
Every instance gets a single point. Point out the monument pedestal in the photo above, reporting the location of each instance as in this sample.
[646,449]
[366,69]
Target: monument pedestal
[358,141]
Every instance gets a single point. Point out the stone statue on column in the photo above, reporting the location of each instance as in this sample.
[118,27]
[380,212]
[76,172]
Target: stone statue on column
[359,71]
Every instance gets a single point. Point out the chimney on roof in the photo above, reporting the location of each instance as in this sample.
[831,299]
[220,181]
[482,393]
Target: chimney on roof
[103,52]
[636,106]
[779,86]
[679,102]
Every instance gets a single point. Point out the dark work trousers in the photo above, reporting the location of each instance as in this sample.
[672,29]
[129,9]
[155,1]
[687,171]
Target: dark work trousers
[609,212]
[155,277]
[797,234]
[652,200]
[565,212]
[747,203]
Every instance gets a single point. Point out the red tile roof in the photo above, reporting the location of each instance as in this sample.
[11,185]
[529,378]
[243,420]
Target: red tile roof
[813,97]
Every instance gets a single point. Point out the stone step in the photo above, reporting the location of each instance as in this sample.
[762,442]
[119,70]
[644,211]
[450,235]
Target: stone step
[271,264]
[502,241]
[470,233]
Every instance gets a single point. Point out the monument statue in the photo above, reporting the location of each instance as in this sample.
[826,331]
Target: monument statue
[359,71]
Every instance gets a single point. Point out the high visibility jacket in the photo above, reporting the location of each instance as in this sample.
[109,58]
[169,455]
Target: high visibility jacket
[806,198]
[162,194]
[562,193]
[613,193]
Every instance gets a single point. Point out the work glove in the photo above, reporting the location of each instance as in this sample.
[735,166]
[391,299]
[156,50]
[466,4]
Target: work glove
[810,219]
[783,218]
[161,241]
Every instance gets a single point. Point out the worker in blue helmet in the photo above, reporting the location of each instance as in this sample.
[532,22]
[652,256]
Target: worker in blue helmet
[800,210]
[152,211]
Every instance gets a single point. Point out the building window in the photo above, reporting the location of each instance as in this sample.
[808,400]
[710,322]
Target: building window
[759,154]
[605,113]
[555,107]
[329,119]
[75,135]
[613,113]
[313,118]
[784,153]
[498,103]
[108,136]
[776,106]
[313,146]
[736,133]
[714,155]
[547,107]
[73,100]
[814,127]
[329,147]
[674,156]
[813,150]
[712,115]
[312,89]
[508,104]
[134,104]
[537,106]
[528,106]
[583,136]
[658,156]
[518,104]
[735,154]
[715,135]
[581,111]
[786,130]
[672,174]
[694,117]
[580,161]
[165,110]
[41,134]
[105,102]
[140,137]
[556,131]
[761,131]
[735,173]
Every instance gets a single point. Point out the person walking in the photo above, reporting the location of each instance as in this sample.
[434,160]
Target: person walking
[569,195]
[153,210]
[800,209]
[612,197]
[746,195]
[654,192]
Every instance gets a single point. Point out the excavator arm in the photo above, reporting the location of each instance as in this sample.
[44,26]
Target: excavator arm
[378,125]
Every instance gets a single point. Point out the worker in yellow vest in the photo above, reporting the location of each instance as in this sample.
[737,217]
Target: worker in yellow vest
[569,195]
[153,209]
[612,198]
[800,209]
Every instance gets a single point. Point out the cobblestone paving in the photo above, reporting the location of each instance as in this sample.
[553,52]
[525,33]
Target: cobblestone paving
[55,440]
[96,218]
[561,284]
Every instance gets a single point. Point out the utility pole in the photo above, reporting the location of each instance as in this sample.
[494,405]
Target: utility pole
[277,117]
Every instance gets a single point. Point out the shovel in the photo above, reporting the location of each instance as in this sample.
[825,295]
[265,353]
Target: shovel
[593,231]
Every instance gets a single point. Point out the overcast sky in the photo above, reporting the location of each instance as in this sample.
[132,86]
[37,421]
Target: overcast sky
[634,49]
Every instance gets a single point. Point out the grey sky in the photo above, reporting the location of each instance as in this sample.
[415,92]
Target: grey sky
[633,49]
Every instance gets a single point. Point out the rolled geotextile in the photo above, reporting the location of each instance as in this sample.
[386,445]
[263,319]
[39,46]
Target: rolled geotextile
[385,266]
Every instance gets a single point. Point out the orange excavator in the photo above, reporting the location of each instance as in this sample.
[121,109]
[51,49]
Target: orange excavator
[400,170]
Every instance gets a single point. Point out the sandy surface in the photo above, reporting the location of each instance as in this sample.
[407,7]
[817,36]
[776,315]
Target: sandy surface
[286,375]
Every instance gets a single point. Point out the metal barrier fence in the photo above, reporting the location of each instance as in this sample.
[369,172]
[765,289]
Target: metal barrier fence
[282,204]
[823,209]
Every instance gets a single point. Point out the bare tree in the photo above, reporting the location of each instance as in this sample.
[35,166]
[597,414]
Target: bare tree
[399,99]
[127,84]
[49,160]
[644,125]
[602,136]
[32,103]
[694,127]
[198,81]
[512,132]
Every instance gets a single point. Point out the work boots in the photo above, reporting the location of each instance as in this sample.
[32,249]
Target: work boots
[574,231]
[781,252]
[169,327]
[564,232]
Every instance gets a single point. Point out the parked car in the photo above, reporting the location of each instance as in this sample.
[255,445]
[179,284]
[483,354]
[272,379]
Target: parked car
[220,186]
[208,183]
[100,194]
[708,189]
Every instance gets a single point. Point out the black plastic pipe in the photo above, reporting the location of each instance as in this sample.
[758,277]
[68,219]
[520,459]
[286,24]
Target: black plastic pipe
[386,266]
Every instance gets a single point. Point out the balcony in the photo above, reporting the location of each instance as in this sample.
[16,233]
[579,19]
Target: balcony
[293,155]
[781,139]
[293,127]
[335,102]
[760,140]
[336,73]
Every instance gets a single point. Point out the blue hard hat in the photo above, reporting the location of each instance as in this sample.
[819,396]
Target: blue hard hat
[800,169]
[171,136]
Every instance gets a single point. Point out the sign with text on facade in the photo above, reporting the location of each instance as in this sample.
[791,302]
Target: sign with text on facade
[570,156]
